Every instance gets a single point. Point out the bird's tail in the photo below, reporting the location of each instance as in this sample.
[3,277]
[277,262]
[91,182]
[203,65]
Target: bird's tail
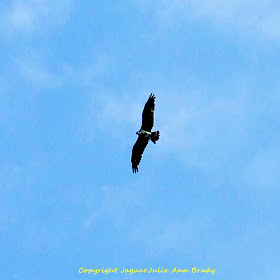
[155,136]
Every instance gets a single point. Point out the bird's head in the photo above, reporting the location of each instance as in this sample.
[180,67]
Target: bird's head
[138,132]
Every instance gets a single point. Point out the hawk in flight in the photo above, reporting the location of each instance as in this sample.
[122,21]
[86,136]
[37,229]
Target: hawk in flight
[145,133]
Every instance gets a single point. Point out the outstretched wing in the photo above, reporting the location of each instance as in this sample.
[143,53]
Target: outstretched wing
[137,151]
[148,114]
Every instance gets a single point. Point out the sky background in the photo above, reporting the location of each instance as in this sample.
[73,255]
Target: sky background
[74,77]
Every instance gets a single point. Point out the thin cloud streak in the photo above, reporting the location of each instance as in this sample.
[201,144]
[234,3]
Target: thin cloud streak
[248,17]
[31,15]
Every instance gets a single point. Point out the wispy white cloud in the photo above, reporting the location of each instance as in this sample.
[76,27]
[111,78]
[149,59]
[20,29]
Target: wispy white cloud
[203,130]
[160,236]
[122,113]
[223,134]
[259,17]
[262,171]
[131,205]
[37,74]
[31,15]
[119,109]
[118,204]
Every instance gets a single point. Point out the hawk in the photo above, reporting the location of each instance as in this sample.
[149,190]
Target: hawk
[145,133]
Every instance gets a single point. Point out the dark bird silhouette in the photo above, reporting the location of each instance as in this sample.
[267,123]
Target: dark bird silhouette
[145,133]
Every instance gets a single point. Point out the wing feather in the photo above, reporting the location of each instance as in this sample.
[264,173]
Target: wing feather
[137,151]
[148,114]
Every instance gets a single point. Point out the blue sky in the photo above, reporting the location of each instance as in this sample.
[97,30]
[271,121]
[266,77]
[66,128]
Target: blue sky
[75,76]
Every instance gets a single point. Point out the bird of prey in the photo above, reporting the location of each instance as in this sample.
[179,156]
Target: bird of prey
[145,133]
